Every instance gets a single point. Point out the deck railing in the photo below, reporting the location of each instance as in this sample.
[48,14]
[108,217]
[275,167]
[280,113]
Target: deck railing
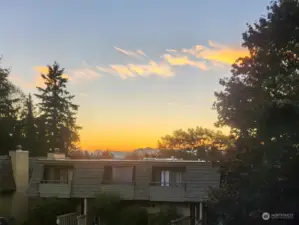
[55,182]
[81,220]
[67,219]
[185,220]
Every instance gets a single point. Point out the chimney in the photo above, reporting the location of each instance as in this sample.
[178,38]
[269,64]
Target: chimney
[20,168]
[56,154]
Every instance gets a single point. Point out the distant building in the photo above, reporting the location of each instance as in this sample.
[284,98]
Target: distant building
[146,151]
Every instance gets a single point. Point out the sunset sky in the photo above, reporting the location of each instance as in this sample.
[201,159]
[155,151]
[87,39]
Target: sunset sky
[139,69]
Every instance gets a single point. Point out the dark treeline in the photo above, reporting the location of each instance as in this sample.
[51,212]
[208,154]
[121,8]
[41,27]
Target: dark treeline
[260,103]
[48,125]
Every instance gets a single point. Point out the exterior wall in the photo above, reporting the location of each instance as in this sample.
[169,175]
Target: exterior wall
[36,178]
[54,190]
[20,168]
[200,178]
[167,194]
[125,191]
[143,177]
[88,177]
[5,205]
[19,206]
[19,199]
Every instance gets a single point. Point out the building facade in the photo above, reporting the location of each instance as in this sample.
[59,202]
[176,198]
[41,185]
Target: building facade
[154,182]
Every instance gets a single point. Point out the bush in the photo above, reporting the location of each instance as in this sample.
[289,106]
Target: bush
[163,217]
[112,210]
[134,215]
[46,212]
[108,208]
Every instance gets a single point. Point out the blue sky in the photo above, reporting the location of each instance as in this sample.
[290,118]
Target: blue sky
[133,65]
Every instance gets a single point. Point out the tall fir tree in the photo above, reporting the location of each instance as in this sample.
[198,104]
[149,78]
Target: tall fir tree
[57,112]
[10,104]
[30,128]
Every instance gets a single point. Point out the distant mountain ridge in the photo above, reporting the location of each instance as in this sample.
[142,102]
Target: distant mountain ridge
[118,154]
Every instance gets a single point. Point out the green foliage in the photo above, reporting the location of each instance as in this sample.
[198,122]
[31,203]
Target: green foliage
[58,113]
[194,143]
[260,103]
[112,210]
[31,141]
[167,214]
[133,215]
[11,100]
[108,207]
[47,211]
[53,127]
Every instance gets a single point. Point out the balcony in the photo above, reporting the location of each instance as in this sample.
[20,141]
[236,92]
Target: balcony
[124,189]
[168,192]
[55,188]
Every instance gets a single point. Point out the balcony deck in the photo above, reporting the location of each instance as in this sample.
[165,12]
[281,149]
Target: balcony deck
[55,188]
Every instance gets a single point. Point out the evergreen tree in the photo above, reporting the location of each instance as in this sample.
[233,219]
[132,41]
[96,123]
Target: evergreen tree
[58,113]
[30,128]
[10,104]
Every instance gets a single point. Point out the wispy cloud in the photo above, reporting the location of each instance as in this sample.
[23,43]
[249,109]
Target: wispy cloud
[136,54]
[82,74]
[134,70]
[35,81]
[171,50]
[203,57]
[20,81]
[216,52]
[141,53]
[183,61]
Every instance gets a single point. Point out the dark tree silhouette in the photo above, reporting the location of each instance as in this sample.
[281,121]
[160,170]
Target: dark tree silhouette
[260,103]
[57,110]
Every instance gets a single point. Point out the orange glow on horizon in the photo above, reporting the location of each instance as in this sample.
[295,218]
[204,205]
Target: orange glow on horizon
[124,140]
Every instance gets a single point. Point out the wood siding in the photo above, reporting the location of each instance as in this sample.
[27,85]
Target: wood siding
[36,178]
[87,180]
[199,179]
[54,190]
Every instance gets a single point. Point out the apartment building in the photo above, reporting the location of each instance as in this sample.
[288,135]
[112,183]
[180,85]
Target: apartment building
[152,182]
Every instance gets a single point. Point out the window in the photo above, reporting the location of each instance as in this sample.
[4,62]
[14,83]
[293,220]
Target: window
[59,175]
[123,174]
[178,178]
[165,178]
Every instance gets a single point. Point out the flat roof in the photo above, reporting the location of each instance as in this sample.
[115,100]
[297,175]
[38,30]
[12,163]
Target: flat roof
[123,160]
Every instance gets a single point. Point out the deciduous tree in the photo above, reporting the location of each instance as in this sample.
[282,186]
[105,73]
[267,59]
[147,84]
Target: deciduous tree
[194,143]
[260,103]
